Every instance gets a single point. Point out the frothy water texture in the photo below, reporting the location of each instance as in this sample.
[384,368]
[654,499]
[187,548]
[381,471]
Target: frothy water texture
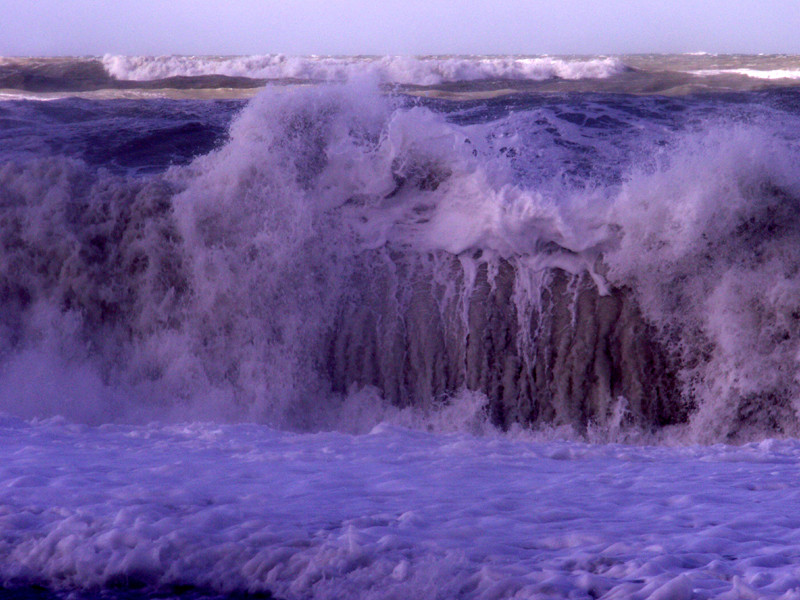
[397,69]
[349,339]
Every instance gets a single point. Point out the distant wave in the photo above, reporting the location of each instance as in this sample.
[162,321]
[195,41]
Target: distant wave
[646,74]
[395,69]
[754,73]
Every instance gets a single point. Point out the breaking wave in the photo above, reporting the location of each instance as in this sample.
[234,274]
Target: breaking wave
[754,73]
[391,69]
[347,258]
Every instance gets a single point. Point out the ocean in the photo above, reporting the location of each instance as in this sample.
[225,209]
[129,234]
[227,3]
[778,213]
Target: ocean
[475,327]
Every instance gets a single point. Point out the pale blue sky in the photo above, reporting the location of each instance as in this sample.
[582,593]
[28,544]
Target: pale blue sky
[75,27]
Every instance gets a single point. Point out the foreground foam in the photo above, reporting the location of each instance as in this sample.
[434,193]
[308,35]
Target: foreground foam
[386,515]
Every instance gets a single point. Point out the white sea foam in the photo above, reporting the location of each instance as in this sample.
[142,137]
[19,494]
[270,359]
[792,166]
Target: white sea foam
[394,69]
[754,73]
[392,514]
[709,242]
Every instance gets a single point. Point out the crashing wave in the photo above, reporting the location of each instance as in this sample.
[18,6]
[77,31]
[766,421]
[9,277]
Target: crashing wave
[391,69]
[343,241]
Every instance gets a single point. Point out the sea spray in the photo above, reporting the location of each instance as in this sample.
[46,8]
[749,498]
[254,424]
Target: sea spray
[709,245]
[342,240]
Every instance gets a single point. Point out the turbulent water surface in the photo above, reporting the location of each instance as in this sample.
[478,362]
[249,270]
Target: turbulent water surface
[339,327]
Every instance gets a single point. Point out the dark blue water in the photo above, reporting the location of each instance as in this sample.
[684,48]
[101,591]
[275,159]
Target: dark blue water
[124,136]
[126,593]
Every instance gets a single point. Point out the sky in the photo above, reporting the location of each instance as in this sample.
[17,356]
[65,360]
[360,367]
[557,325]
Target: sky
[96,27]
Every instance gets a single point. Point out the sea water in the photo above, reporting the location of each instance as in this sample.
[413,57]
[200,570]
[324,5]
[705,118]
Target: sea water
[390,327]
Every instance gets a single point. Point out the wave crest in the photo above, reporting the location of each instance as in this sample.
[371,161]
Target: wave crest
[390,69]
[342,240]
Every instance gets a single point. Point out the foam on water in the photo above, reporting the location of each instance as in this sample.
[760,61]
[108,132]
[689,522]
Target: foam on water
[709,242]
[392,514]
[756,73]
[395,69]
